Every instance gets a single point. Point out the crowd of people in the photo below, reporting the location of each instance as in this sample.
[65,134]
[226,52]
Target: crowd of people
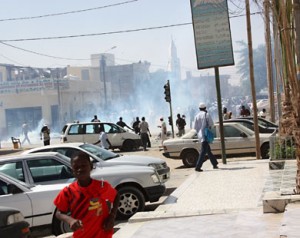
[93,215]
[142,127]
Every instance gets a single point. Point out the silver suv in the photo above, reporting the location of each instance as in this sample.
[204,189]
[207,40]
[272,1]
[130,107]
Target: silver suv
[89,132]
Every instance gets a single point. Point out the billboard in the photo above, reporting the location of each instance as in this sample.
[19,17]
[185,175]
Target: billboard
[212,33]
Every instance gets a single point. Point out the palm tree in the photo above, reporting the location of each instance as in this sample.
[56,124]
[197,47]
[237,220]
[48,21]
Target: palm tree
[284,22]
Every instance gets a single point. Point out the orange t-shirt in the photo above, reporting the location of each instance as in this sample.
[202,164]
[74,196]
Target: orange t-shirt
[89,204]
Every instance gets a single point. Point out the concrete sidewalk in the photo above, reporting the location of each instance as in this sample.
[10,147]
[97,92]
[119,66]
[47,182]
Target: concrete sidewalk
[215,203]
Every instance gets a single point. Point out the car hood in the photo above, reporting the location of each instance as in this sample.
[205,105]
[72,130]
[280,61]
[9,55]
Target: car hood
[135,160]
[121,170]
[177,141]
[49,187]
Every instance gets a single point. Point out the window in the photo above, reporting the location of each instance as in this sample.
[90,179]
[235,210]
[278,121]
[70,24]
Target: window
[74,129]
[3,188]
[44,170]
[92,129]
[111,128]
[13,169]
[248,125]
[230,131]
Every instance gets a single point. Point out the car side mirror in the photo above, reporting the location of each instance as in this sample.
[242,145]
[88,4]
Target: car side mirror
[13,189]
[243,134]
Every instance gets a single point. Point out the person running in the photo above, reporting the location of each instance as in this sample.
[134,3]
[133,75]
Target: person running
[89,206]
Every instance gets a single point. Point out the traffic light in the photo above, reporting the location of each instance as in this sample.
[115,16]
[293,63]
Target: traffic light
[167,92]
[170,121]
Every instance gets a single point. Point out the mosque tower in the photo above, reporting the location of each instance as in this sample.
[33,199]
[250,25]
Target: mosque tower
[173,63]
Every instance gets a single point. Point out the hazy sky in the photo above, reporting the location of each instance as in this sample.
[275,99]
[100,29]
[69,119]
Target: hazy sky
[150,45]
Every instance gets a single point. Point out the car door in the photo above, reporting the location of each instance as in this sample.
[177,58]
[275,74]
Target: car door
[91,134]
[235,142]
[48,170]
[114,134]
[20,201]
[75,133]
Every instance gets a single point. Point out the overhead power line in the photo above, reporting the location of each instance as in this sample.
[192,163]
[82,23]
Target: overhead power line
[86,35]
[66,13]
[97,34]
[37,53]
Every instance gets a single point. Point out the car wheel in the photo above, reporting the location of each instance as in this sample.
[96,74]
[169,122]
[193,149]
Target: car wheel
[189,158]
[131,201]
[60,227]
[128,145]
[264,151]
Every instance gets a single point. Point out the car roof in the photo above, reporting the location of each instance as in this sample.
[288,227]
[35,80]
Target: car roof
[25,155]
[68,145]
[239,120]
[87,122]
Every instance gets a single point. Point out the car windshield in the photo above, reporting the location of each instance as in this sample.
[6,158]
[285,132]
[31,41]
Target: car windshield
[262,122]
[99,152]
[63,157]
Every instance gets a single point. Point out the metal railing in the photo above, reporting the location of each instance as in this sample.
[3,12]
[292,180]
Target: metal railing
[282,147]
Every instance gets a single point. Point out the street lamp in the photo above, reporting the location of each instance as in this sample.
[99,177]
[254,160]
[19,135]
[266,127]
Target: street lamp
[103,74]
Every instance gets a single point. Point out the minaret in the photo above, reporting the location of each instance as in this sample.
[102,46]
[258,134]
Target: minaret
[174,63]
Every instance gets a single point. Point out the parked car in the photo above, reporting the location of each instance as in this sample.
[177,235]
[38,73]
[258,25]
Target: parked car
[250,124]
[238,140]
[34,201]
[12,223]
[135,184]
[89,132]
[104,158]
[263,122]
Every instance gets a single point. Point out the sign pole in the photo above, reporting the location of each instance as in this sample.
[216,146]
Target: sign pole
[219,99]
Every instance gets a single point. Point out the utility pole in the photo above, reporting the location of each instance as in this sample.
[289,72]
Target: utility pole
[103,66]
[269,60]
[251,68]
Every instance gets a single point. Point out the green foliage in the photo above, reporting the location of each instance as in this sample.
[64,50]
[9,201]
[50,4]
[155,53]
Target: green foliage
[285,149]
[260,68]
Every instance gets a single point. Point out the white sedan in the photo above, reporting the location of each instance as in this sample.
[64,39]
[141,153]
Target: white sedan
[107,158]
[34,201]
[238,140]
[136,185]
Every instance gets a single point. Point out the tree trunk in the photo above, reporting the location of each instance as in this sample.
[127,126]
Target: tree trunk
[290,122]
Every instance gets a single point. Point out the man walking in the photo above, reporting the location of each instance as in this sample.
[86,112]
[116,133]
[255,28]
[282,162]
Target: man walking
[25,130]
[103,139]
[203,120]
[45,134]
[163,133]
[95,119]
[180,123]
[122,124]
[135,125]
[144,129]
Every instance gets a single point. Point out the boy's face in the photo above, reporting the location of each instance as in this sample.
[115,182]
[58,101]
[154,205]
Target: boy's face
[81,168]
